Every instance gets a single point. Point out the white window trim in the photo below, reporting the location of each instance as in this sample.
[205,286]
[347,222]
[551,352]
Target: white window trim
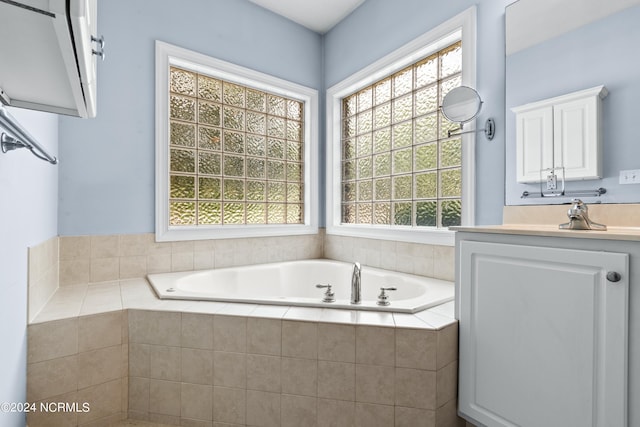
[167,55]
[461,27]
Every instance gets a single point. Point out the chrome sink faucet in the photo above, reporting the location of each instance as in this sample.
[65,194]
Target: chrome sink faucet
[578,215]
[356,284]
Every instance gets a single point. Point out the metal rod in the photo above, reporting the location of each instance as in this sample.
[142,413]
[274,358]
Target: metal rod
[584,193]
[22,138]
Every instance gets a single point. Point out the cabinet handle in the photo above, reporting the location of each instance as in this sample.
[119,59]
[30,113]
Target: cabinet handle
[98,53]
[613,276]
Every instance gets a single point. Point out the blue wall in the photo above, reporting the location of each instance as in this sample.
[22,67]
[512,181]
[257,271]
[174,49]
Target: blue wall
[600,53]
[107,163]
[28,216]
[107,168]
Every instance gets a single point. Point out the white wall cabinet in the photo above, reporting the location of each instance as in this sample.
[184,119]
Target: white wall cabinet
[543,335]
[47,55]
[561,132]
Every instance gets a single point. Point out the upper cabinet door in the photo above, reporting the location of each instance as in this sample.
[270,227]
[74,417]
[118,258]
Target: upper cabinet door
[577,145]
[534,138]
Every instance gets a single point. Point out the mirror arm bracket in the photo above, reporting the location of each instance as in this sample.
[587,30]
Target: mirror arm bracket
[489,130]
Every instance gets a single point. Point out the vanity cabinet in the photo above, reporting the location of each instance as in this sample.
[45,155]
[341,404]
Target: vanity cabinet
[561,132]
[543,331]
[48,54]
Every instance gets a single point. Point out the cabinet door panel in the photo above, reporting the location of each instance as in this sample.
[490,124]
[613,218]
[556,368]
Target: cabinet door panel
[542,336]
[534,143]
[576,142]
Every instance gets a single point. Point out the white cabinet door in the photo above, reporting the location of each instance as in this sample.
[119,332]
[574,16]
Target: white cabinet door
[534,139]
[576,140]
[543,336]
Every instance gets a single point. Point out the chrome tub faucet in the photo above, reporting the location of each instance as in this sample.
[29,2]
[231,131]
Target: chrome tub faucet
[356,284]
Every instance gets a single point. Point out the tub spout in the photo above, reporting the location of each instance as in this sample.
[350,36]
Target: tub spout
[356,282]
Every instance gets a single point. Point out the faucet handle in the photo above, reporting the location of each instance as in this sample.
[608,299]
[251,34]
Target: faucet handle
[329,296]
[383,298]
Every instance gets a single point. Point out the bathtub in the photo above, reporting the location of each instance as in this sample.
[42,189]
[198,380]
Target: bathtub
[294,283]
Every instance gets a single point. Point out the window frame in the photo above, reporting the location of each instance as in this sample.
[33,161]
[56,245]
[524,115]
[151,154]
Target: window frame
[460,27]
[169,55]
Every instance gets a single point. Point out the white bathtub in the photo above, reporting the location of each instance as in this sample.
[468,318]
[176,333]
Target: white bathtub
[294,283]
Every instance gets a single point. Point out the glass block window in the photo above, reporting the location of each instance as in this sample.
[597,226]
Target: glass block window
[236,153]
[399,168]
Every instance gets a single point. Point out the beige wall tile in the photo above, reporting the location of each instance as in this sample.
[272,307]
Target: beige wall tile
[297,411]
[413,417]
[155,327]
[104,399]
[263,408]
[369,415]
[444,262]
[375,384]
[75,247]
[375,345]
[264,336]
[52,378]
[447,383]
[447,415]
[336,413]
[75,271]
[229,405]
[164,397]
[447,339]
[51,340]
[197,331]
[197,366]
[203,260]
[54,419]
[99,366]
[164,420]
[182,261]
[104,269]
[300,339]
[336,342]
[263,373]
[105,246]
[139,394]
[299,376]
[416,348]
[137,244]
[230,333]
[139,360]
[336,380]
[165,363]
[188,422]
[159,263]
[133,266]
[99,330]
[229,369]
[415,388]
[197,402]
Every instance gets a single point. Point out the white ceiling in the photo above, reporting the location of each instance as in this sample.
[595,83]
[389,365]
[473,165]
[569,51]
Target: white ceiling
[317,15]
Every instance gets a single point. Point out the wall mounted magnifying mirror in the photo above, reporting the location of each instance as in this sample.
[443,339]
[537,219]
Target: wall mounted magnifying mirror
[463,104]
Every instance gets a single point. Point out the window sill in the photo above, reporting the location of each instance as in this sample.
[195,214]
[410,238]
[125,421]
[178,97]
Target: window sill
[442,237]
[174,234]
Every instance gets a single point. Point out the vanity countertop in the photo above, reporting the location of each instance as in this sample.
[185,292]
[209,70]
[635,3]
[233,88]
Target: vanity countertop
[622,221]
[612,233]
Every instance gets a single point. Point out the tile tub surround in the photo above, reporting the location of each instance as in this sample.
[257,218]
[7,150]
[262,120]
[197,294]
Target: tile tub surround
[91,259]
[207,363]
[79,359]
[43,275]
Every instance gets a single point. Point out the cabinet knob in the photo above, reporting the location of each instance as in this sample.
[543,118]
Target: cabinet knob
[613,276]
